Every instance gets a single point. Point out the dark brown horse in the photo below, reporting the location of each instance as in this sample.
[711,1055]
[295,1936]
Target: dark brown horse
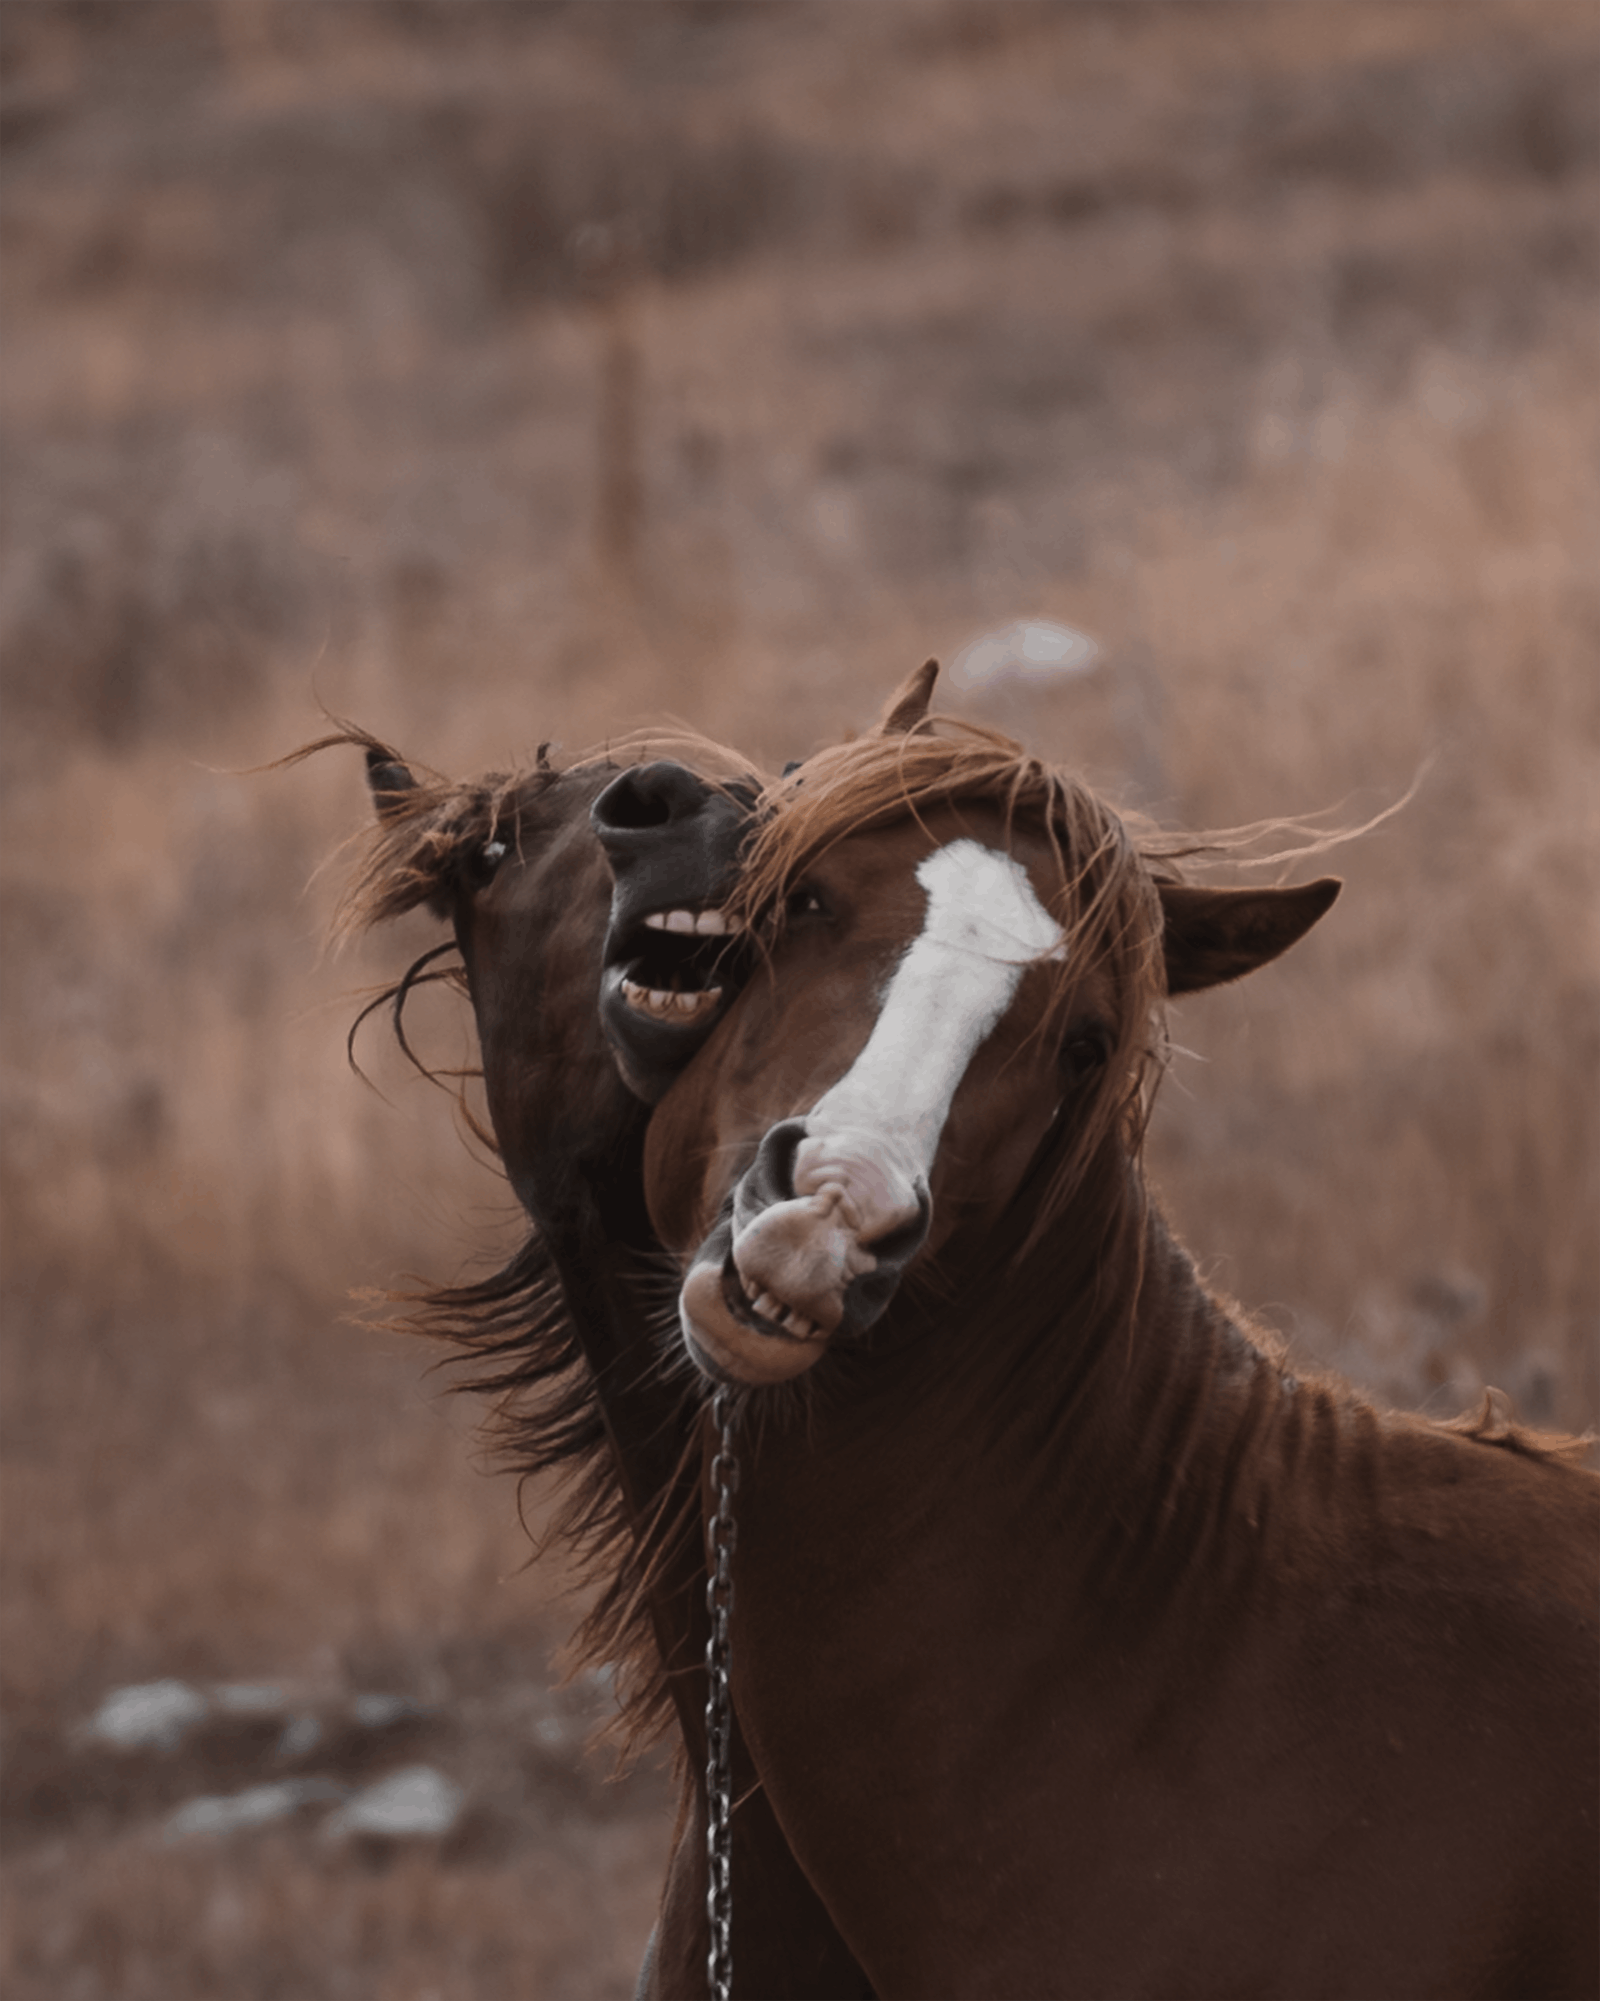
[1080,1648]
[564,889]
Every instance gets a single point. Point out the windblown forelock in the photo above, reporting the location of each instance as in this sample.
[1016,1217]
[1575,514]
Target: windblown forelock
[1105,901]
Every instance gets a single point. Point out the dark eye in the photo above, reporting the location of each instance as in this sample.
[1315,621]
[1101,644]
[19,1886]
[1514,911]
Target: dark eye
[1084,1054]
[479,864]
[803,902]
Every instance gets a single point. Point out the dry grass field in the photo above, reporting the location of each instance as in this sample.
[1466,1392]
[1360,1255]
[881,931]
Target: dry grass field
[495,373]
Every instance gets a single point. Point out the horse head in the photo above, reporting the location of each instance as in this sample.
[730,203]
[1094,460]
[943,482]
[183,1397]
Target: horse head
[963,953]
[564,889]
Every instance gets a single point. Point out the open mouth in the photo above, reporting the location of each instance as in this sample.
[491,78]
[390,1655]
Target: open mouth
[669,977]
[673,968]
[759,1340]
[765,1313]
[733,1337]
[673,956]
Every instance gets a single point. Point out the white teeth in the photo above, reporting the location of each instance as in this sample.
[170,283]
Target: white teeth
[688,923]
[648,1000]
[656,1001]
[766,1307]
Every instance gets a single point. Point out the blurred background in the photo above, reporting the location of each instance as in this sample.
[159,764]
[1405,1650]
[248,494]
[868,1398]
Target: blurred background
[1216,385]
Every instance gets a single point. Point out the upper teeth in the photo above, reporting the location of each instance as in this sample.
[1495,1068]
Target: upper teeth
[656,1000]
[708,923]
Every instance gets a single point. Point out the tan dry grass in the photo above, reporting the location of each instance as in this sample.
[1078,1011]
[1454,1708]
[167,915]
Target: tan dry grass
[139,1923]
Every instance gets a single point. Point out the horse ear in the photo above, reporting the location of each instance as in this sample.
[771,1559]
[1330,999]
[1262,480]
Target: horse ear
[908,705]
[1215,935]
[389,780]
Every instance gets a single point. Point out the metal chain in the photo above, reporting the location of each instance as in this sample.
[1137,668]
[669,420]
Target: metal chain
[719,1705]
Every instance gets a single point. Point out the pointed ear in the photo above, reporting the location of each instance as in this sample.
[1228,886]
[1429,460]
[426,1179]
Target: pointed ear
[389,779]
[908,705]
[1214,935]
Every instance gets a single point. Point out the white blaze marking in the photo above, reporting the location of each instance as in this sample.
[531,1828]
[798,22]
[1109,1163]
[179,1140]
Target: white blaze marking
[984,927]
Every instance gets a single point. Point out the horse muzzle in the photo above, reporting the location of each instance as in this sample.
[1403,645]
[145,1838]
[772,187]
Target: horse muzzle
[672,959]
[819,1232]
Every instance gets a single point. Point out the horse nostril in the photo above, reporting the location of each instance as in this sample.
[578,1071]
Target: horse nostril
[896,1248]
[771,1175]
[649,796]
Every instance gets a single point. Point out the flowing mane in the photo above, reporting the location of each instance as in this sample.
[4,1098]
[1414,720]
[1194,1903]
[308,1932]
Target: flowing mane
[517,1344]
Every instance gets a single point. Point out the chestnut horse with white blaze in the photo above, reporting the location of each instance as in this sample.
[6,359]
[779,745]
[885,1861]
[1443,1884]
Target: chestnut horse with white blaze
[1081,1648]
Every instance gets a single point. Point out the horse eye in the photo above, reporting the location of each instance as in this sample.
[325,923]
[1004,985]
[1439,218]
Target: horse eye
[804,903]
[1084,1053]
[478,867]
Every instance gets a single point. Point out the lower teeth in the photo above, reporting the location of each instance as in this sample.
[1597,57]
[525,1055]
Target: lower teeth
[656,1001]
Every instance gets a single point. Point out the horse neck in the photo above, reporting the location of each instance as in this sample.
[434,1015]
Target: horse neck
[1130,1385]
[1081,1382]
[1175,1405]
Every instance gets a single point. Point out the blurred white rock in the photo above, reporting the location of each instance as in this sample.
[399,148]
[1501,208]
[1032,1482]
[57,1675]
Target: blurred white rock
[216,1814]
[377,1712]
[1031,653]
[150,1716]
[416,1801]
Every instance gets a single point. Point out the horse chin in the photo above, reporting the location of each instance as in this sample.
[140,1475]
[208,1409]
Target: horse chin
[729,1338]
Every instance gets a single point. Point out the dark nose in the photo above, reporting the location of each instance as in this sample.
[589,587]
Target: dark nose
[636,809]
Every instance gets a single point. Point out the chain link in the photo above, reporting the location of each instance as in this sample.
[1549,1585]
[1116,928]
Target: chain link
[719,1704]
